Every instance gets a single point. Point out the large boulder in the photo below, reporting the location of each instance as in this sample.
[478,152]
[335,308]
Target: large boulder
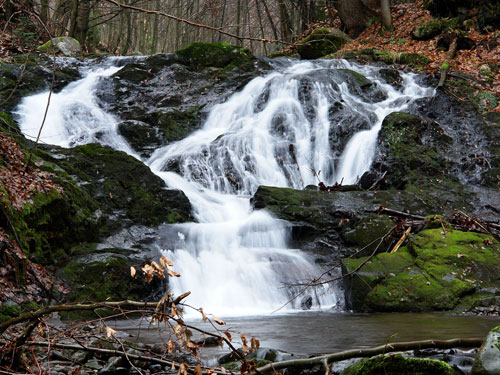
[321,42]
[487,361]
[125,189]
[64,45]
[437,270]
[428,30]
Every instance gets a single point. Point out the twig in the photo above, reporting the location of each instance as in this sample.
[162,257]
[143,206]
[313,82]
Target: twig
[388,211]
[401,240]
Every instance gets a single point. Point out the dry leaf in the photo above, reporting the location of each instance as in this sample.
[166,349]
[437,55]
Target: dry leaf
[132,271]
[170,346]
[182,369]
[203,316]
[197,370]
[173,273]
[164,261]
[218,321]
[110,331]
[228,335]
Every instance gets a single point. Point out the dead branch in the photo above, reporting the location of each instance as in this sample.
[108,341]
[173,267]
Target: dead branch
[191,23]
[116,353]
[77,307]
[401,240]
[370,352]
[388,211]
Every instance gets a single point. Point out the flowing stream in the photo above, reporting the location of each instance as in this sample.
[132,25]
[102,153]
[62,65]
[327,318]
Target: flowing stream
[280,130]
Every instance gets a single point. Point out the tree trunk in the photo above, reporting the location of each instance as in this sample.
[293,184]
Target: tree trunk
[385,6]
[354,15]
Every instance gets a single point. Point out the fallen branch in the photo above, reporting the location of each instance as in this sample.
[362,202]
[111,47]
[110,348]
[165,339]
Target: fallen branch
[81,307]
[388,211]
[370,352]
[119,353]
[401,240]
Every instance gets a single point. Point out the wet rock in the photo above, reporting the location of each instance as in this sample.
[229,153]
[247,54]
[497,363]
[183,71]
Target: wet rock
[306,303]
[321,42]
[487,361]
[127,192]
[392,77]
[165,97]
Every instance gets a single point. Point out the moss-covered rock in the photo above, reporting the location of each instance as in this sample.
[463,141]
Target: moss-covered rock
[218,55]
[487,361]
[65,45]
[127,192]
[398,365]
[427,30]
[101,276]
[410,146]
[435,271]
[370,55]
[321,42]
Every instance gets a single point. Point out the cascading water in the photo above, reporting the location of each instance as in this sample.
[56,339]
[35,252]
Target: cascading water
[280,131]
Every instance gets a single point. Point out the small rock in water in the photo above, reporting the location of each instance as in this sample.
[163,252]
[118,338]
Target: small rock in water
[306,303]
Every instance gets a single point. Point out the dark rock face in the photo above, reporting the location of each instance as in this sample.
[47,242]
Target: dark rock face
[126,190]
[162,98]
[37,77]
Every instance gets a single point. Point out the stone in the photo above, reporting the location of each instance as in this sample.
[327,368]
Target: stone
[65,45]
[427,30]
[487,361]
[306,302]
[321,42]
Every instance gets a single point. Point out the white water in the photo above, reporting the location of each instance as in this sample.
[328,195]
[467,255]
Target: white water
[234,260]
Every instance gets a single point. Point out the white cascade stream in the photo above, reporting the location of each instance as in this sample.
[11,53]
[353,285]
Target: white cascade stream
[234,260]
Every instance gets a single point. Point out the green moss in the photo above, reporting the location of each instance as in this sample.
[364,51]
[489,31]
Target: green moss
[428,30]
[368,232]
[437,271]
[47,47]
[100,277]
[8,312]
[218,55]
[321,42]
[415,59]
[398,365]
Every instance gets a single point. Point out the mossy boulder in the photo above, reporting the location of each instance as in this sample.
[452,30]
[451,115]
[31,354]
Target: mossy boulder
[101,276]
[9,311]
[218,55]
[127,192]
[321,42]
[398,365]
[65,45]
[427,30]
[171,125]
[412,149]
[437,270]
[487,361]
[370,55]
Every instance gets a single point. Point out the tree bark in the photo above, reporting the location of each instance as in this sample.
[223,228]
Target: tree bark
[354,15]
[385,6]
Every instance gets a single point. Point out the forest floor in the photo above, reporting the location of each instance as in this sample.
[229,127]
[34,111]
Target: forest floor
[486,48]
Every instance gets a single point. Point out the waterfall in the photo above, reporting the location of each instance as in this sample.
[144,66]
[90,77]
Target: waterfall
[280,130]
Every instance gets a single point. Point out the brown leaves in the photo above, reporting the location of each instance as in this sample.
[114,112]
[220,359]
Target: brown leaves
[155,269]
[21,182]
